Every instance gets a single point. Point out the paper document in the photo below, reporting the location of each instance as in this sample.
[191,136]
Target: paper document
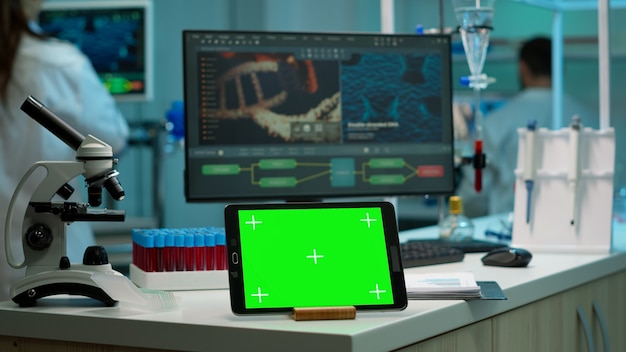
[458,285]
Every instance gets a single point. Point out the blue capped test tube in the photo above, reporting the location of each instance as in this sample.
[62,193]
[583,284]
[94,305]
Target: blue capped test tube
[220,250]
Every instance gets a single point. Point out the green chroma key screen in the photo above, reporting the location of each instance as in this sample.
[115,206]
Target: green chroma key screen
[314,257]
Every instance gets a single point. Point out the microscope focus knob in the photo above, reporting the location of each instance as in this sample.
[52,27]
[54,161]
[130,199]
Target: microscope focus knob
[95,255]
[64,263]
[39,237]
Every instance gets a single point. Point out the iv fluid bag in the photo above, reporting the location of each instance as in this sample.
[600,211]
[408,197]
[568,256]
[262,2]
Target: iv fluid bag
[475,44]
[470,16]
[475,27]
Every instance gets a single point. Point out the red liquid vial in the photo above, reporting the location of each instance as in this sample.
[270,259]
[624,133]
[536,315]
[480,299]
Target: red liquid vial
[220,251]
[209,251]
[198,240]
[478,169]
[150,254]
[159,252]
[137,239]
[169,253]
[179,243]
[190,253]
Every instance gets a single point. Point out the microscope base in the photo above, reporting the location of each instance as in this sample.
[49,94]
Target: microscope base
[27,290]
[29,297]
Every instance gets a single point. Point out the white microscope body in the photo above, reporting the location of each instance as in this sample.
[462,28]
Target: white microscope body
[48,269]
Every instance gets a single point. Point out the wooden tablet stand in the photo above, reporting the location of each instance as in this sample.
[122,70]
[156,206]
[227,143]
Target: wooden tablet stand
[324,313]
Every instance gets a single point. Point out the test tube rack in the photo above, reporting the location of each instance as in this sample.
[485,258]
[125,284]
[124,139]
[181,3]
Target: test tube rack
[179,259]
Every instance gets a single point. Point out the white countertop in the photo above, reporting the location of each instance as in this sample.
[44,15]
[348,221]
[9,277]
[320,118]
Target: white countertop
[204,317]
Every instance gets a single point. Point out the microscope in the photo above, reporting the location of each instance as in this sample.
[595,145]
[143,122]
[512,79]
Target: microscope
[48,213]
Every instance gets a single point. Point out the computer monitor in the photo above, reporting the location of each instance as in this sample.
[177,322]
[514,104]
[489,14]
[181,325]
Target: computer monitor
[115,35]
[310,116]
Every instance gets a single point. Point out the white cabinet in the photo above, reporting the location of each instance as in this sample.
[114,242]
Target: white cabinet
[564,322]
[550,324]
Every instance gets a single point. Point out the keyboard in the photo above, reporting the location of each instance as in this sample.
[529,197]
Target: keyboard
[471,246]
[421,253]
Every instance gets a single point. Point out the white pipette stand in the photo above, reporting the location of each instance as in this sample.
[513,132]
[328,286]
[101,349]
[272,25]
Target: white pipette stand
[556,224]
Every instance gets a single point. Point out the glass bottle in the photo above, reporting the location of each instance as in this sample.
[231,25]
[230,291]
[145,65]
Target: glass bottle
[456,226]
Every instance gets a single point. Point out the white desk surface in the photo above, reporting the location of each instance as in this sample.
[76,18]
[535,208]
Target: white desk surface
[205,319]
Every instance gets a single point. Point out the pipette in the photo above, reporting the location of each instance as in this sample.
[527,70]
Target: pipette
[529,165]
[572,171]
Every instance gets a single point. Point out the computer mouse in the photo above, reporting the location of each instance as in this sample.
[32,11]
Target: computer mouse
[507,256]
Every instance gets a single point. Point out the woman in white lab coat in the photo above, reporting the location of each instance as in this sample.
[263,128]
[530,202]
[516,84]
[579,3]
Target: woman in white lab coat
[62,78]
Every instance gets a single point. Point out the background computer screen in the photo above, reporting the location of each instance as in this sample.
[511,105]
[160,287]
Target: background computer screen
[300,116]
[115,35]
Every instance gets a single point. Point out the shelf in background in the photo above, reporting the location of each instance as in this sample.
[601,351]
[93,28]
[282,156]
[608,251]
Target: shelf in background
[571,5]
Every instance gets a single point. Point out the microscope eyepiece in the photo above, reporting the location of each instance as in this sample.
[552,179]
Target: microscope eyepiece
[48,119]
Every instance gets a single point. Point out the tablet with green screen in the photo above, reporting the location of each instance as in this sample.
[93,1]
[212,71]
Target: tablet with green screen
[283,256]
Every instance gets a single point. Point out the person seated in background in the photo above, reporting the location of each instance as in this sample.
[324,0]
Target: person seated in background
[61,77]
[500,137]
